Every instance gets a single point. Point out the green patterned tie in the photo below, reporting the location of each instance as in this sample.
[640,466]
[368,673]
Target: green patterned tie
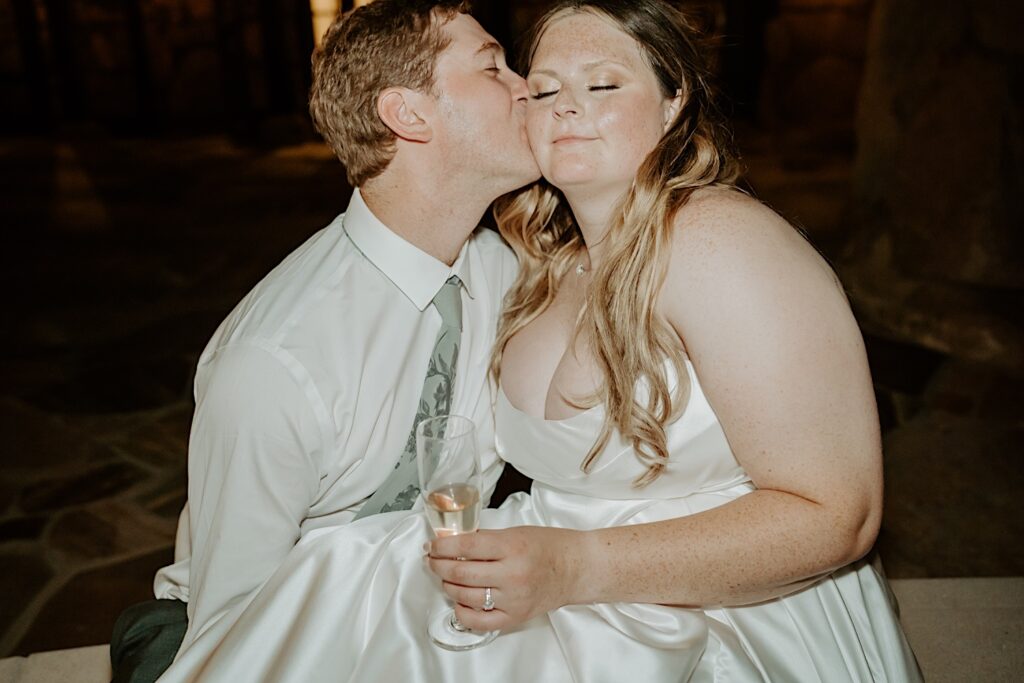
[402,486]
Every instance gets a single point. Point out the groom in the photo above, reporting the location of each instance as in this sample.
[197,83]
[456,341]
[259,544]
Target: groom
[307,395]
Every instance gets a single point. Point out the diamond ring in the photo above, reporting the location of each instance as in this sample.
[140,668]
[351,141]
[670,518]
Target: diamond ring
[488,600]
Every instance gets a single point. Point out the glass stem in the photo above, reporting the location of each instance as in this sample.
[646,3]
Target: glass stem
[456,624]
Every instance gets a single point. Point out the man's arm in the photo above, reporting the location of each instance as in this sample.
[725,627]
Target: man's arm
[252,477]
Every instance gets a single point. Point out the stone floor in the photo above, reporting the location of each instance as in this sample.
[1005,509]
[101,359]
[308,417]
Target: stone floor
[122,258]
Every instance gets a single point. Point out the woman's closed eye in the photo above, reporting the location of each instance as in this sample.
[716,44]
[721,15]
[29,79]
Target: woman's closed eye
[592,88]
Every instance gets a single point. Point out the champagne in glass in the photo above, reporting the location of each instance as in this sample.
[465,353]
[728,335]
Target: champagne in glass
[450,481]
[453,509]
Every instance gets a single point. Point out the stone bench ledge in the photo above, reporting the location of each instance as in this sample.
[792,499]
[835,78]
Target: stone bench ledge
[78,665]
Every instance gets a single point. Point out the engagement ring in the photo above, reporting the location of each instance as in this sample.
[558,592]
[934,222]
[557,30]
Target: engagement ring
[488,600]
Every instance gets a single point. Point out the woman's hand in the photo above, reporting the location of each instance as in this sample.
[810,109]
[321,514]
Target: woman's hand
[530,571]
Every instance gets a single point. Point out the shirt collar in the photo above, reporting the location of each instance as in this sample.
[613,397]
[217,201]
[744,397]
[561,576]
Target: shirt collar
[416,273]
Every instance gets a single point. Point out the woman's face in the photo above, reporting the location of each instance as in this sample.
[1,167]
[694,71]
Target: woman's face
[596,109]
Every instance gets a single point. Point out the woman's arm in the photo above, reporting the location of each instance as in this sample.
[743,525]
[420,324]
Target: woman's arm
[781,361]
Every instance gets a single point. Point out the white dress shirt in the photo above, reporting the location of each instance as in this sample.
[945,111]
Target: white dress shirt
[306,394]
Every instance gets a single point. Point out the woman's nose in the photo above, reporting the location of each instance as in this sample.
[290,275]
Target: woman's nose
[566,104]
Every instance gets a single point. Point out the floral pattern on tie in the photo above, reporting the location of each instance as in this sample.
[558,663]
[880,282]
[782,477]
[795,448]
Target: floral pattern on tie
[400,490]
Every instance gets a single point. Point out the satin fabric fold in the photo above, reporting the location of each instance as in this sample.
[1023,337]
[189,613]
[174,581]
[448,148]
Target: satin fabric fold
[350,604]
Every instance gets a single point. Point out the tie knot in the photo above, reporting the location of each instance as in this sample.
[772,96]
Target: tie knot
[448,302]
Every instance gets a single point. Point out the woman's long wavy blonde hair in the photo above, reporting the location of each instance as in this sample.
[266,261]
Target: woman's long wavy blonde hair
[619,322]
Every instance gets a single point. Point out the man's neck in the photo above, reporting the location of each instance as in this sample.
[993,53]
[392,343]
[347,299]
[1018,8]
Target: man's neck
[424,212]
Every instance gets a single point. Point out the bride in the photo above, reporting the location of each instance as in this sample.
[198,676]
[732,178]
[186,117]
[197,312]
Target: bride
[680,373]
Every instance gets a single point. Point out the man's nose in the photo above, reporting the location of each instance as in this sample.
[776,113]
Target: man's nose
[518,88]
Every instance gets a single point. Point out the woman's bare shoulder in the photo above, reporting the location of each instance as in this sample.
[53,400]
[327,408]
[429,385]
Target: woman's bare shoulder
[724,232]
[729,217]
[736,264]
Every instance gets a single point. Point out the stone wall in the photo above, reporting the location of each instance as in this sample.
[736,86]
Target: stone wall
[937,207]
[815,52]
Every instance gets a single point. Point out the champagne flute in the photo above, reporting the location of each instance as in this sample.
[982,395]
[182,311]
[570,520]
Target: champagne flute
[449,467]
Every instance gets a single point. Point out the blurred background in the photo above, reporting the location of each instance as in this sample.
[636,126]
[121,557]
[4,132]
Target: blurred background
[157,160]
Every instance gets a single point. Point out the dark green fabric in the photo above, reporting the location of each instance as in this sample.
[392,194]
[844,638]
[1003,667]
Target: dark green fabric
[145,640]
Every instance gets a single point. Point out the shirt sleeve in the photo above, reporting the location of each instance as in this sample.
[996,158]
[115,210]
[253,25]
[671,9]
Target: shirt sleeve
[252,477]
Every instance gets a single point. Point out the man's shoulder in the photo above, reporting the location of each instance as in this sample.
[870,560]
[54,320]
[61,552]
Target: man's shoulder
[288,291]
[492,247]
[495,260]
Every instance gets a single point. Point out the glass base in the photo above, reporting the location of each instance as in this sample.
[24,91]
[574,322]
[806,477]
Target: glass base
[444,632]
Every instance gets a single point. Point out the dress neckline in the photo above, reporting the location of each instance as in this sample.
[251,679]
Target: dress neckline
[564,420]
[501,392]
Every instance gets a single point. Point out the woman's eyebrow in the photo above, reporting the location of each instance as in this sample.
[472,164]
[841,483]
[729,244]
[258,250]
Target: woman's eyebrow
[588,66]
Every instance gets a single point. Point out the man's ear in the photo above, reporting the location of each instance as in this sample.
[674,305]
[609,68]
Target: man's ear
[672,108]
[401,110]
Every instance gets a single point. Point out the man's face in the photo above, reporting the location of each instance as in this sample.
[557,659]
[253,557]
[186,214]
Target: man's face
[481,109]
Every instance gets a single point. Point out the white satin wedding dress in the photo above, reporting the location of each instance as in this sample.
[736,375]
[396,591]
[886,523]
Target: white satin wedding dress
[350,604]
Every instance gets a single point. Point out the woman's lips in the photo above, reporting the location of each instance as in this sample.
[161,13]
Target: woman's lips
[571,139]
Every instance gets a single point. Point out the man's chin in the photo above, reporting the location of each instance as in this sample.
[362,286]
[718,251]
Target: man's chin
[528,179]
[522,175]
[531,169]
